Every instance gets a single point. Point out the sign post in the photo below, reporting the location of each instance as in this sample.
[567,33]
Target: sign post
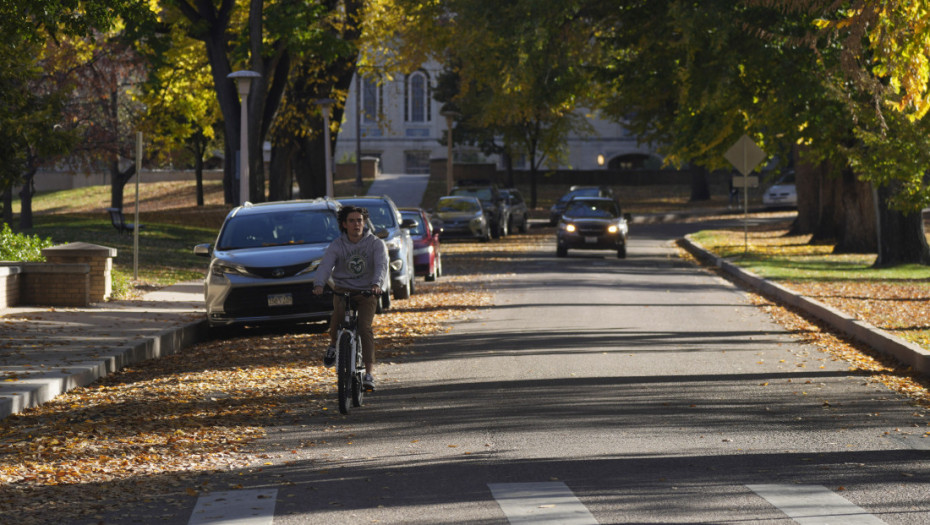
[745,155]
[135,230]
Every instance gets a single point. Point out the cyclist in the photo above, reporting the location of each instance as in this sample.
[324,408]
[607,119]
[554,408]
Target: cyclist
[357,261]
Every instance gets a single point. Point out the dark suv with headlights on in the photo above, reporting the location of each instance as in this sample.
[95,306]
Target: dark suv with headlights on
[555,212]
[264,260]
[592,223]
[384,214]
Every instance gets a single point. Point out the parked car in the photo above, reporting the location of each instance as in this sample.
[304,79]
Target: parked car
[784,193]
[592,223]
[555,212]
[263,263]
[461,216]
[427,258]
[518,216]
[384,214]
[491,200]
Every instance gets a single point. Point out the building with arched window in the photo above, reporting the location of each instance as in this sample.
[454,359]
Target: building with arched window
[399,123]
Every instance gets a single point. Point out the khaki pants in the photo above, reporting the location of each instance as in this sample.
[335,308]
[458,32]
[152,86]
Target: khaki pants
[366,314]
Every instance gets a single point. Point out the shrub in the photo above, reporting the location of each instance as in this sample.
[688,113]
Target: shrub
[21,248]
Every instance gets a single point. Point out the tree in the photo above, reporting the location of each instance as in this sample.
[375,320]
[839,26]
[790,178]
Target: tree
[323,69]
[181,110]
[106,74]
[271,39]
[31,128]
[521,64]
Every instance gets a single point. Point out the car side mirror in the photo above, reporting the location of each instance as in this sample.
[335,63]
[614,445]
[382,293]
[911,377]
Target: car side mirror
[408,223]
[381,233]
[628,217]
[203,250]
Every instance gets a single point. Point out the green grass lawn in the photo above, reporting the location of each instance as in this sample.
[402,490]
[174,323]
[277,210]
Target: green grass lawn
[779,257]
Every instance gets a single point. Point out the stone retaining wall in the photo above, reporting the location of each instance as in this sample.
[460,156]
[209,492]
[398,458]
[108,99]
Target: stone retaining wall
[75,274]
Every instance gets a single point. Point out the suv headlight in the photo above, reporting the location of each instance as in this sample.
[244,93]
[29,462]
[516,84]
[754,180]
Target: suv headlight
[567,226]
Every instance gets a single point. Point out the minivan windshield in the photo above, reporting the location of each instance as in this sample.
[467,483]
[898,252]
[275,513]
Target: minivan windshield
[279,228]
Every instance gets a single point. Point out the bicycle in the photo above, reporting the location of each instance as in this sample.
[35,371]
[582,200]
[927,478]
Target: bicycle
[349,364]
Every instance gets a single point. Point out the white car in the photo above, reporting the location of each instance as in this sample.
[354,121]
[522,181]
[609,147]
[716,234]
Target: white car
[782,194]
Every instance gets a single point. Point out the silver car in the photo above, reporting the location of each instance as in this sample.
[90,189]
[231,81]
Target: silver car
[263,263]
[461,216]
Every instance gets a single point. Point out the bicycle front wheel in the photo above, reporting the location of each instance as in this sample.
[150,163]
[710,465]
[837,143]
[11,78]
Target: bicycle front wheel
[344,375]
[358,391]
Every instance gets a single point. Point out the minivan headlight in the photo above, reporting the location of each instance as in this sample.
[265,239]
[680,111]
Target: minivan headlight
[220,268]
[310,267]
[392,243]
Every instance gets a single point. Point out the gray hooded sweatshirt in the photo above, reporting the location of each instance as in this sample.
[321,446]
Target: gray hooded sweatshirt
[354,266]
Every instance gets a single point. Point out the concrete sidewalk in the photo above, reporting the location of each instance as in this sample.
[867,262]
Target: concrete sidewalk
[45,351]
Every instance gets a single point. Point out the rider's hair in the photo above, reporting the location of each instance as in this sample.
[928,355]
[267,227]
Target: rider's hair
[346,210]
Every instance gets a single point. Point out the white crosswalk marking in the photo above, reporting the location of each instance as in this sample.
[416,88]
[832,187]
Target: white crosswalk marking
[235,507]
[548,502]
[814,505]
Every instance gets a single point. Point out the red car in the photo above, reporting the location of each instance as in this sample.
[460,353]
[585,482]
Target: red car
[426,257]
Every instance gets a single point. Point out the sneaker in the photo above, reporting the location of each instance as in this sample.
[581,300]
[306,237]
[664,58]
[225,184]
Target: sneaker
[368,382]
[329,359]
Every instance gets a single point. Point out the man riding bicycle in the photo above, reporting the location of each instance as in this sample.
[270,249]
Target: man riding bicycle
[357,261]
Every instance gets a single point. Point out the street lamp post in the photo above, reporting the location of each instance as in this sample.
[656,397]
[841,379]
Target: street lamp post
[450,116]
[358,130]
[325,104]
[244,82]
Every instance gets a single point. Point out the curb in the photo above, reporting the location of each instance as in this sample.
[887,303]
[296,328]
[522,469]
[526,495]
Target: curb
[910,354]
[40,389]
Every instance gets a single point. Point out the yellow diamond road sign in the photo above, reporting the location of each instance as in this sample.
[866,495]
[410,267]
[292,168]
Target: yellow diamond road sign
[745,155]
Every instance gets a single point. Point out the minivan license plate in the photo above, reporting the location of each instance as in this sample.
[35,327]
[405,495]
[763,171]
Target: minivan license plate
[590,240]
[281,299]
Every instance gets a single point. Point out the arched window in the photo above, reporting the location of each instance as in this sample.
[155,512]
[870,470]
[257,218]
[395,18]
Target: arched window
[371,100]
[416,97]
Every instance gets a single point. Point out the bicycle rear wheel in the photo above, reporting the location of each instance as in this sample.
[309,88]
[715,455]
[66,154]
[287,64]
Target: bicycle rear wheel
[344,375]
[358,391]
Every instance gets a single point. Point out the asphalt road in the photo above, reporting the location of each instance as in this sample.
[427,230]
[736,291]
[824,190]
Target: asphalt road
[600,390]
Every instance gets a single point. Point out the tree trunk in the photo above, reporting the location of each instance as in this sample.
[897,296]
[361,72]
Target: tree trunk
[198,176]
[198,147]
[310,168]
[8,205]
[902,236]
[855,216]
[118,182]
[213,24]
[700,189]
[280,174]
[25,200]
[508,163]
[809,183]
